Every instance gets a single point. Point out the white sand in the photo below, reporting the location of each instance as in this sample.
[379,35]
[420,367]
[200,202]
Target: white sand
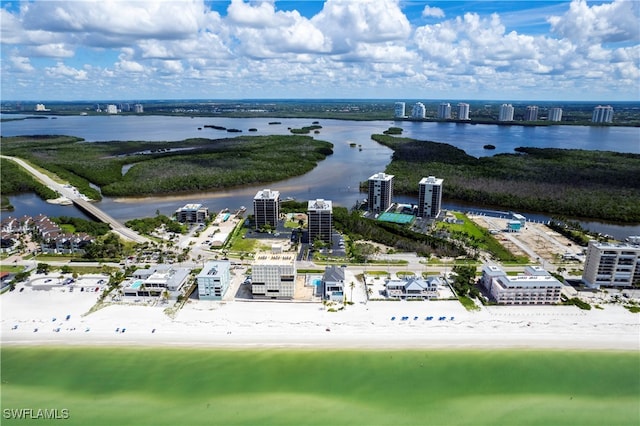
[281,324]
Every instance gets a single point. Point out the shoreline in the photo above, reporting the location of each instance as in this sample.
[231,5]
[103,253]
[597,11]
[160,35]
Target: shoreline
[309,326]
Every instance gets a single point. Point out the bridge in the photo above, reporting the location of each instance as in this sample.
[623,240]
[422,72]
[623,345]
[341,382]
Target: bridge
[116,226]
[72,194]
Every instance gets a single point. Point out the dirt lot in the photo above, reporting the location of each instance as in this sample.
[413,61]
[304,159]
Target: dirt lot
[535,240]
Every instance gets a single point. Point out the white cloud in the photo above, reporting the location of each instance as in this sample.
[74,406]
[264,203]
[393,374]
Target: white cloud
[61,70]
[609,22]
[434,12]
[21,64]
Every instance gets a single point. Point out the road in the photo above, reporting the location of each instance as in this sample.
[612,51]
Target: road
[71,193]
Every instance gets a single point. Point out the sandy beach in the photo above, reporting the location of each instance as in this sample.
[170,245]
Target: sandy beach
[376,324]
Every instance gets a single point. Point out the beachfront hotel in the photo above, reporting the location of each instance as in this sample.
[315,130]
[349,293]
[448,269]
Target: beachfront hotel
[463,111]
[273,275]
[535,287]
[320,220]
[602,114]
[612,265]
[506,112]
[214,280]
[430,197]
[192,213]
[399,110]
[380,192]
[266,208]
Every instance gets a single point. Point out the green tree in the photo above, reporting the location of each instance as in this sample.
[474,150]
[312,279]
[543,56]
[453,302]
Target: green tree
[43,268]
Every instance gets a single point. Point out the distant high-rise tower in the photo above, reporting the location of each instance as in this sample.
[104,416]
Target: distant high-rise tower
[138,108]
[398,110]
[444,111]
[266,208]
[463,111]
[555,114]
[380,192]
[531,114]
[418,111]
[320,220]
[506,112]
[429,197]
[602,114]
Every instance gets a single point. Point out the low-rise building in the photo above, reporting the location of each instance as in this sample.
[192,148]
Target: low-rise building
[333,282]
[273,275]
[535,287]
[413,288]
[192,213]
[153,281]
[214,280]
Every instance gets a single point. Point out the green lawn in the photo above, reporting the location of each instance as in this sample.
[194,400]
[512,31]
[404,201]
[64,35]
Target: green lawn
[106,386]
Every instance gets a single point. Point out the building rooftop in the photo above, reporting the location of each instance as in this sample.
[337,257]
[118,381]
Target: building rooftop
[319,204]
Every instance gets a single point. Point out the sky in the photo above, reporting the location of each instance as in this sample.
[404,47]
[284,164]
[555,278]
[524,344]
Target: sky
[349,49]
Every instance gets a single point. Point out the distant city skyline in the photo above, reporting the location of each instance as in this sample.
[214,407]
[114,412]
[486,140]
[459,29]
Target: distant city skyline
[334,49]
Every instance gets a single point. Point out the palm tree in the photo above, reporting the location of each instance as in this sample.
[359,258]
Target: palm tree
[352,285]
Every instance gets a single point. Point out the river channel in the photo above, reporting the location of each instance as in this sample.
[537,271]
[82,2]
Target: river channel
[336,178]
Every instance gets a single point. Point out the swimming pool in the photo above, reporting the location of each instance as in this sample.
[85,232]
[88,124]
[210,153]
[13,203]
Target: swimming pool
[316,282]
[136,285]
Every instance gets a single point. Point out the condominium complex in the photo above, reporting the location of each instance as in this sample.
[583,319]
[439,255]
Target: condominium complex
[320,220]
[418,110]
[399,110]
[612,265]
[273,275]
[531,114]
[555,114]
[112,109]
[429,197]
[444,111]
[463,111]
[506,112]
[602,114]
[266,208]
[192,213]
[138,108]
[214,280]
[380,192]
[535,287]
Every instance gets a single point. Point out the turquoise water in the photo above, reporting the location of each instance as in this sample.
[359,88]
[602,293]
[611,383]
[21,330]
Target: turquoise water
[317,282]
[136,285]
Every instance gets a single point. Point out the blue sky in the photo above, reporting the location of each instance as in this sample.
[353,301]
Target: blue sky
[395,49]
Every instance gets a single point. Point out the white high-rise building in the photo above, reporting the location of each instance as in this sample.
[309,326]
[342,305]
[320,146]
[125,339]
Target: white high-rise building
[380,192]
[112,109]
[612,265]
[273,275]
[138,108]
[531,114]
[506,112]
[602,114]
[535,287]
[418,110]
[444,111]
[398,110]
[430,197]
[463,111]
[555,114]
[320,220]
